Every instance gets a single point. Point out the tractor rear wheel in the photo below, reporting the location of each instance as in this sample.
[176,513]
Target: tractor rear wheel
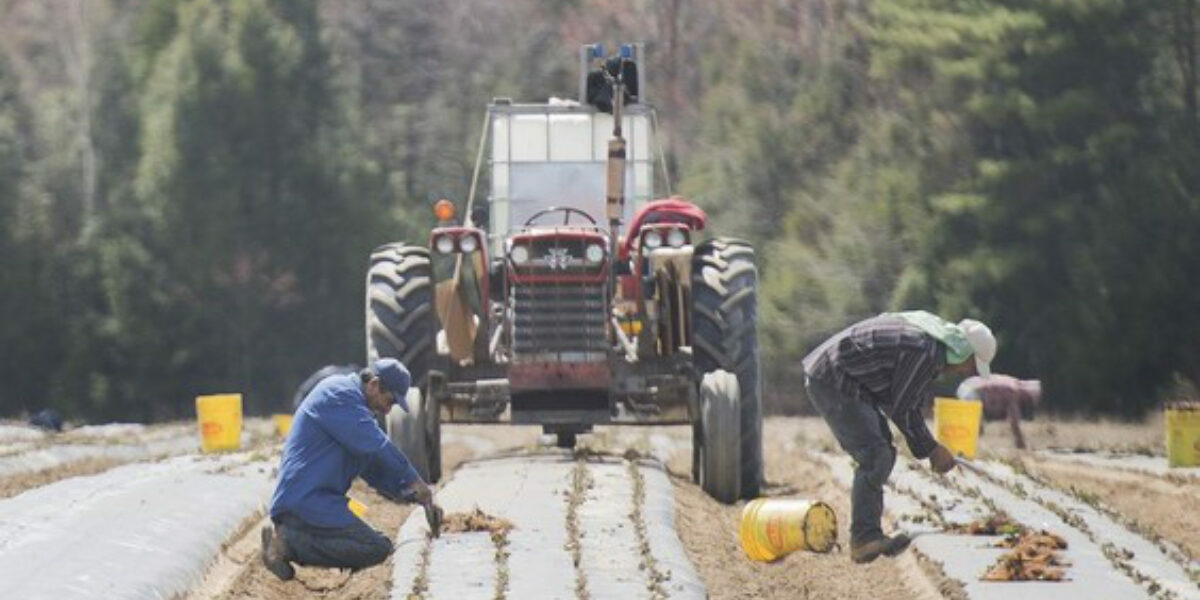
[317,376]
[417,433]
[400,320]
[725,336]
[720,434]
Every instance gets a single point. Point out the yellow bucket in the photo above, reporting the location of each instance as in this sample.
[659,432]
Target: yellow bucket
[283,424]
[220,419]
[358,508]
[957,424]
[773,527]
[1183,437]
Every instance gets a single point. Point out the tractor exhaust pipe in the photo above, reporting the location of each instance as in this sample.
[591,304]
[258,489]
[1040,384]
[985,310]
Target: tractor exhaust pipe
[615,189]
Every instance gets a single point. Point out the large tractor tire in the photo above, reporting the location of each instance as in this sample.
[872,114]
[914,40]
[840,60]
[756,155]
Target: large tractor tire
[417,433]
[401,324]
[400,319]
[725,336]
[719,430]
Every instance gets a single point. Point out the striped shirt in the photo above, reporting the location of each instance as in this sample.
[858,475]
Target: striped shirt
[888,362]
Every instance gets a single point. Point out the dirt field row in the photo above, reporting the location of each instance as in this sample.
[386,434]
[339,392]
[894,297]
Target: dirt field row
[1158,507]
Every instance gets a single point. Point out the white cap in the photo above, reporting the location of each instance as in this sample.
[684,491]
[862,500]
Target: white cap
[982,342]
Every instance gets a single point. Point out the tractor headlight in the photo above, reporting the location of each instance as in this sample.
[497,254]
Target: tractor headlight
[676,238]
[594,253]
[468,243]
[444,244]
[519,254]
[652,239]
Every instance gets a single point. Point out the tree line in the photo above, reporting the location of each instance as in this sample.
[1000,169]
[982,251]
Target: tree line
[189,189]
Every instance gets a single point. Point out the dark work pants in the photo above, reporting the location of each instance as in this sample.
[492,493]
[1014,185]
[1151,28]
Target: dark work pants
[357,546]
[862,431]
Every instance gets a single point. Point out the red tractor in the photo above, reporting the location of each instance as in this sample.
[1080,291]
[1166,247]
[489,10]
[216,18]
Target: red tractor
[560,303]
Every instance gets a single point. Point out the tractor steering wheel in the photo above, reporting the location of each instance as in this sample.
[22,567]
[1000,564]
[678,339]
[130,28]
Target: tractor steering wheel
[567,211]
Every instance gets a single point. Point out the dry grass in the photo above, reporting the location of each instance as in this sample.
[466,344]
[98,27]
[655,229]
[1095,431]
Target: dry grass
[476,520]
[1147,437]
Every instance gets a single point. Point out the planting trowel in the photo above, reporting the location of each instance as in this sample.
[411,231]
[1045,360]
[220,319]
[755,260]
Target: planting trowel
[969,465]
[433,516]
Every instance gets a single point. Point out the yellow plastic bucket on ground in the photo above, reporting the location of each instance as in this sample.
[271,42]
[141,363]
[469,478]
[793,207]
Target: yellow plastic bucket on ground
[1183,437]
[956,424]
[358,508]
[220,419]
[283,424]
[774,527]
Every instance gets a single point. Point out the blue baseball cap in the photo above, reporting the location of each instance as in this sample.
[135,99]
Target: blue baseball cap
[395,379]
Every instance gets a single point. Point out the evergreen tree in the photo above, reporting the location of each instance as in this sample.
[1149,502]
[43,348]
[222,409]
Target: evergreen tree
[1069,226]
[236,262]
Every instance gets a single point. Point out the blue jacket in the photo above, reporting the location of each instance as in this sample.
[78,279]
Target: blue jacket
[335,438]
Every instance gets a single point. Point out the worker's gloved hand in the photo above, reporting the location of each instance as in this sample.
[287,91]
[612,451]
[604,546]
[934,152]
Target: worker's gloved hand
[941,459]
[418,492]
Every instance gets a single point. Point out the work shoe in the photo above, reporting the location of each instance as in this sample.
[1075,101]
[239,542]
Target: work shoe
[274,549]
[869,551]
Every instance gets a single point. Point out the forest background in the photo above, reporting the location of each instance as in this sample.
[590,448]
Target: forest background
[189,189]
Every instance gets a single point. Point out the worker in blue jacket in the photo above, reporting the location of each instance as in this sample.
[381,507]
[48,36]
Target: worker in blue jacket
[334,438]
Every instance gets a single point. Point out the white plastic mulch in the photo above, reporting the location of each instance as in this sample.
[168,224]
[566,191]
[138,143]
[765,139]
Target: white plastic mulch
[121,442]
[964,496]
[144,530]
[531,492]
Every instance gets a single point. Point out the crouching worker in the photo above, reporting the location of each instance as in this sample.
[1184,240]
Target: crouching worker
[335,438]
[878,369]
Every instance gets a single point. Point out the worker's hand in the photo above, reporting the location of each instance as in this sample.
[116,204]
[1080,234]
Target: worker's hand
[941,459]
[418,492]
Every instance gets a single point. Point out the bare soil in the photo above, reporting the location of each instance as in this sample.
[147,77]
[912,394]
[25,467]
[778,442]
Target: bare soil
[1158,506]
[255,582]
[1146,437]
[1163,506]
[709,531]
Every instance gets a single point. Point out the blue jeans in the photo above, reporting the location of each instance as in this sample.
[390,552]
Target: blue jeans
[862,431]
[357,546]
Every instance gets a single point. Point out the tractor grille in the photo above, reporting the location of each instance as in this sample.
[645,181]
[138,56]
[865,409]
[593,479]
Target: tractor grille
[560,256]
[562,322]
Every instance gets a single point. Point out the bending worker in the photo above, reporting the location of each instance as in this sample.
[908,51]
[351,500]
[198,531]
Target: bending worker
[1003,397]
[882,368]
[335,438]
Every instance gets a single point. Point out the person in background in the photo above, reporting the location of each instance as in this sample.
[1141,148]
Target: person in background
[48,420]
[879,369]
[334,439]
[1003,397]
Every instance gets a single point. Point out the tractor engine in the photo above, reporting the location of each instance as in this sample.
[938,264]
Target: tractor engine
[558,302]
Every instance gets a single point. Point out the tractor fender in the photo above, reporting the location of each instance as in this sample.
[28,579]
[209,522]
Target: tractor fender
[675,209]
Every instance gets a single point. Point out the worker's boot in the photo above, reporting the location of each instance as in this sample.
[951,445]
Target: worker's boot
[869,551]
[274,554]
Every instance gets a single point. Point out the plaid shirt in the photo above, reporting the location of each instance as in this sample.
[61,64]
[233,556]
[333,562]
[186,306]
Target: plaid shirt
[888,362]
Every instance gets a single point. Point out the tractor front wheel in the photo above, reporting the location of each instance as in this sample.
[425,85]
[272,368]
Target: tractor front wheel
[720,429]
